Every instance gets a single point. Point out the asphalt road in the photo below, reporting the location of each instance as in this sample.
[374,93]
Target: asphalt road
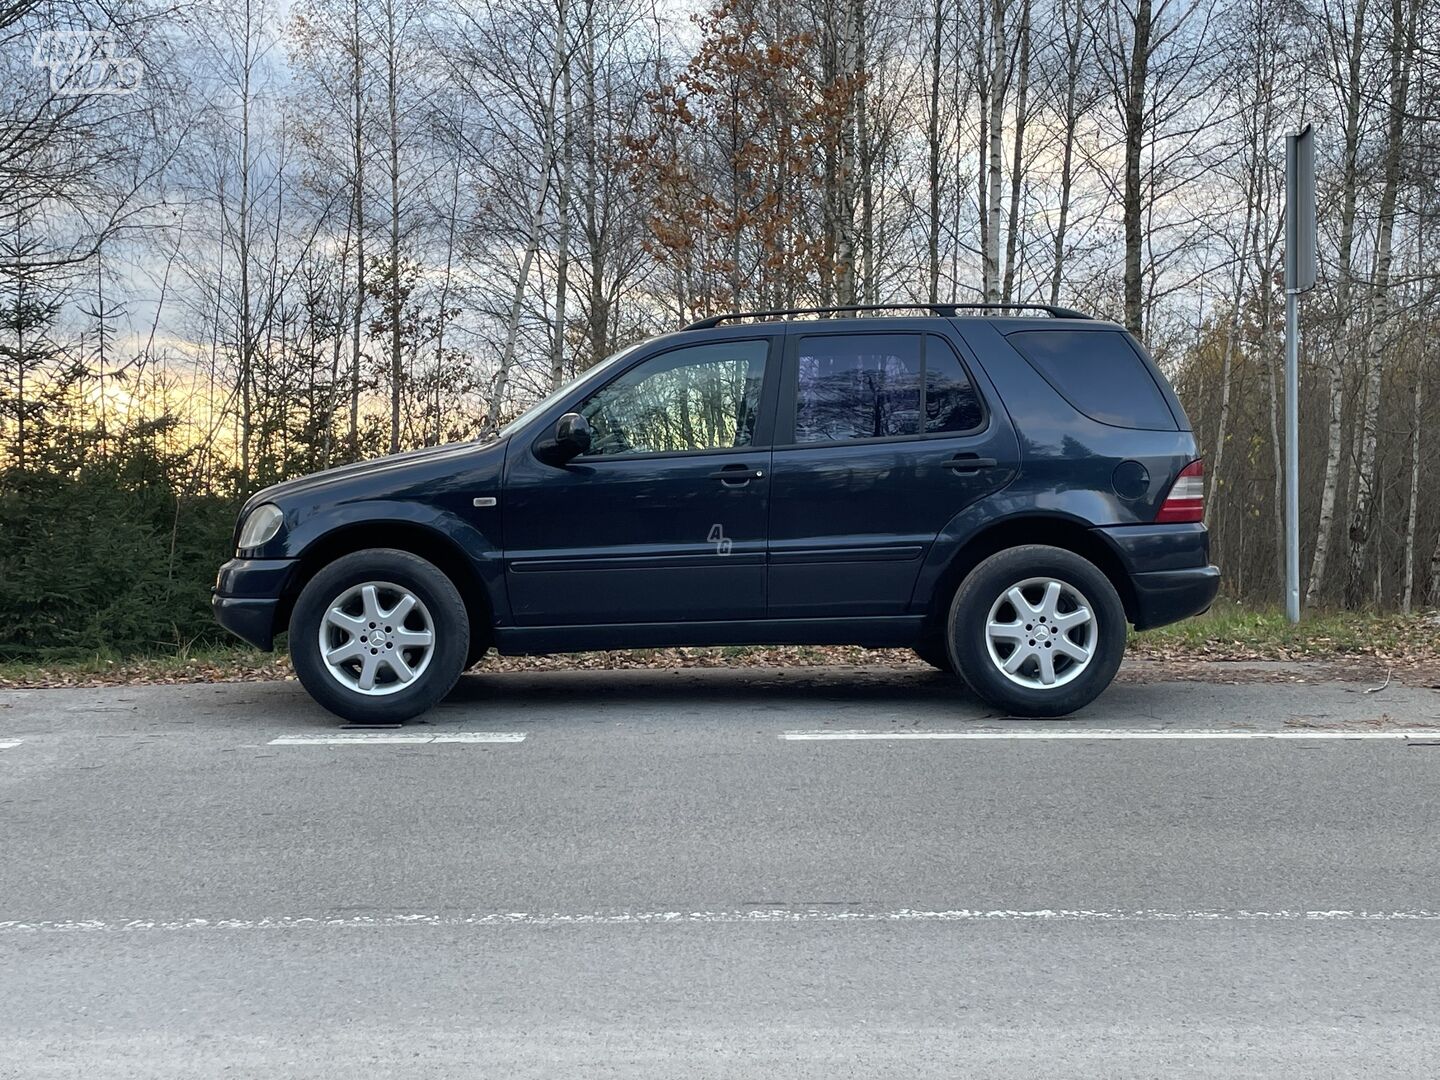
[711,874]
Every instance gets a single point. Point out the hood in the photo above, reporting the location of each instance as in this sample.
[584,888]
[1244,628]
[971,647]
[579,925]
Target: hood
[393,466]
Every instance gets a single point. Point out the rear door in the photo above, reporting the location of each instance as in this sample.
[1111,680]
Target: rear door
[664,519]
[882,437]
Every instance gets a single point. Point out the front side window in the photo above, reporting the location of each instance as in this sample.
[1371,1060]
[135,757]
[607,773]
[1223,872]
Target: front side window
[868,386]
[701,397]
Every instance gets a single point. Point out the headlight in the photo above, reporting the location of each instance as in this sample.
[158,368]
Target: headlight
[261,525]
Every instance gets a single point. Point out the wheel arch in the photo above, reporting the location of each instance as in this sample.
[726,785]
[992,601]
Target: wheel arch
[423,541]
[1052,530]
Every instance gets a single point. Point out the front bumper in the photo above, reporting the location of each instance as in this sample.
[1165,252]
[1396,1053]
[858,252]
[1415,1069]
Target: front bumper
[247,595]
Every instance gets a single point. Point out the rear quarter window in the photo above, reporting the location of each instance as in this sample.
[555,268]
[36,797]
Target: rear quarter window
[1100,373]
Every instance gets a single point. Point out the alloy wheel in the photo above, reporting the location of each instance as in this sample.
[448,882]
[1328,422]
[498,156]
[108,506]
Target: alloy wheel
[1041,633]
[376,638]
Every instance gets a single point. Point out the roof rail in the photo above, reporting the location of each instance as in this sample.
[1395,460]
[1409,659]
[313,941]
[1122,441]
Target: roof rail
[948,310]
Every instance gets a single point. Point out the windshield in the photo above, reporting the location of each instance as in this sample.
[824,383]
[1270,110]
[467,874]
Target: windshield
[585,376]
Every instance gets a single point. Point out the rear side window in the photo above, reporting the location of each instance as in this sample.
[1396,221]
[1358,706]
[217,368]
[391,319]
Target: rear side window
[1098,372]
[951,403]
[868,386]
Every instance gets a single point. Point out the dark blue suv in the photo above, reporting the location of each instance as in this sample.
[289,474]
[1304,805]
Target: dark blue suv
[1000,490]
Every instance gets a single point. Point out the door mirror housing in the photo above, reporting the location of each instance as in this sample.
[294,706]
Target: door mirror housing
[570,439]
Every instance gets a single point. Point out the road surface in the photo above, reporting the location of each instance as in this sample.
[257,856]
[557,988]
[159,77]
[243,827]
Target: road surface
[756,873]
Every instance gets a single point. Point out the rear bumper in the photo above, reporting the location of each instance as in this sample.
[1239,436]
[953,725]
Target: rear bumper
[247,598]
[1171,595]
[1168,567]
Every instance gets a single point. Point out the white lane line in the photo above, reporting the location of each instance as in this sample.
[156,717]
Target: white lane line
[10,744]
[829,735]
[743,915]
[370,738]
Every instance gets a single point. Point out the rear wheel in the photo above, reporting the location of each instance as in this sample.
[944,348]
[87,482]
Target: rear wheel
[1037,631]
[379,636]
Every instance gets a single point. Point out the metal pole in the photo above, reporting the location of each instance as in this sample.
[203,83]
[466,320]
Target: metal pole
[1292,455]
[1299,276]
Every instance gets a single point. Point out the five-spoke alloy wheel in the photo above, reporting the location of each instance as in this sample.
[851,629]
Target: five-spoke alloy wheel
[1037,630]
[379,636]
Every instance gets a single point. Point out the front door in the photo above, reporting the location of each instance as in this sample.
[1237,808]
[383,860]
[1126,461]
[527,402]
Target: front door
[664,520]
[881,439]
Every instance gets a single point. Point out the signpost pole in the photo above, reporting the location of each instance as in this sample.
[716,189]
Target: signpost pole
[1292,456]
[1299,277]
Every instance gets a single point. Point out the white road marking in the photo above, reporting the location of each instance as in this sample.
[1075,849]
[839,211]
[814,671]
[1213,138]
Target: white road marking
[742,915]
[829,735]
[370,738]
[10,744]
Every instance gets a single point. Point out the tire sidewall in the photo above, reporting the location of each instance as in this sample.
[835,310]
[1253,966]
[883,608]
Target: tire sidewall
[447,612]
[970,610]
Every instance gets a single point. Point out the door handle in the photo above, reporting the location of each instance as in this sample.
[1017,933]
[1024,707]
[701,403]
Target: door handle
[737,475]
[967,463]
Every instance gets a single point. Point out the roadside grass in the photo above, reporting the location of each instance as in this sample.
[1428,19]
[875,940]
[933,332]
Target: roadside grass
[1228,632]
[217,664]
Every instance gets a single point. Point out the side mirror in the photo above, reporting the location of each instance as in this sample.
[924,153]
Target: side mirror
[571,439]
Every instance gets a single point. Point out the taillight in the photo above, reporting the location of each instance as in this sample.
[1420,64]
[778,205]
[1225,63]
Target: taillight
[1186,501]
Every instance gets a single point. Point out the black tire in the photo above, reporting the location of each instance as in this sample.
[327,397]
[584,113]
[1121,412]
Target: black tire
[971,649]
[446,612]
[935,653]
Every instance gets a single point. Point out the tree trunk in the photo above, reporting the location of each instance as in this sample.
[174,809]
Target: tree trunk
[986,86]
[869,284]
[596,232]
[536,224]
[1434,596]
[1017,162]
[247,339]
[1413,514]
[1216,471]
[1402,48]
[845,177]
[357,91]
[933,240]
[443,315]
[1334,431]
[562,255]
[1134,147]
[1067,157]
[392,102]
[998,86]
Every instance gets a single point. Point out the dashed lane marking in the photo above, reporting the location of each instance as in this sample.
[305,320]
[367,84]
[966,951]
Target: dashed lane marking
[412,738]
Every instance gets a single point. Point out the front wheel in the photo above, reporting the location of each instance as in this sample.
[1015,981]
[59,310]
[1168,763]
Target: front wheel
[1037,631]
[379,636]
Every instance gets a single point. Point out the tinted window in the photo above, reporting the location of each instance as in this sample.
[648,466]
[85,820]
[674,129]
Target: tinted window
[867,386]
[703,397]
[1099,373]
[861,387]
[951,403]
